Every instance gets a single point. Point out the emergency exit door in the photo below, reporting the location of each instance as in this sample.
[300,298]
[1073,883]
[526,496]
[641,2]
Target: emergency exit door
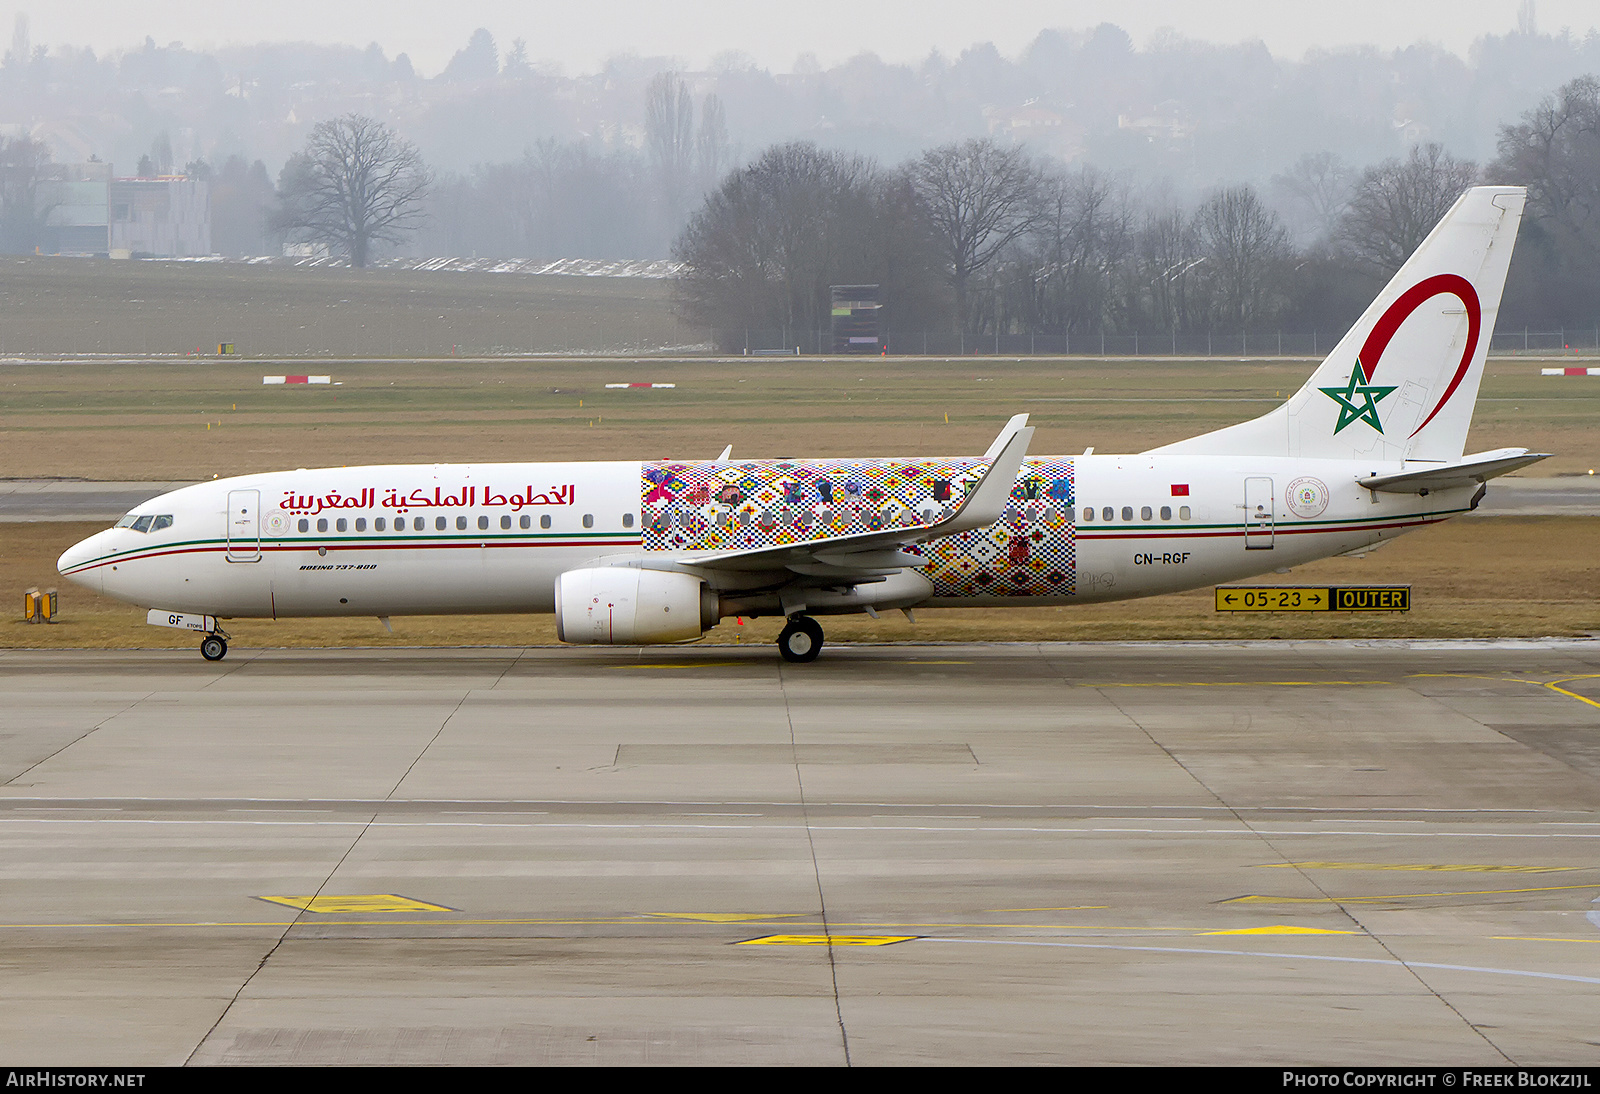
[1258,518]
[244,525]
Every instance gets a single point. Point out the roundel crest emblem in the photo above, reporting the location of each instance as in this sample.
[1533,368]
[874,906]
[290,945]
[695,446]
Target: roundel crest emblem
[277,524]
[1307,497]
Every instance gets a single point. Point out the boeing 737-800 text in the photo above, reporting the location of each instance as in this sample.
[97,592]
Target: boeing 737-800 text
[631,553]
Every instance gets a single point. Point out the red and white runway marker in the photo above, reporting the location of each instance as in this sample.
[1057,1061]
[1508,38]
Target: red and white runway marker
[641,385]
[297,379]
[1569,372]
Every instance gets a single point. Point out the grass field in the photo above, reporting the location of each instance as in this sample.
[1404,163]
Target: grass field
[190,420]
[1481,577]
[96,306]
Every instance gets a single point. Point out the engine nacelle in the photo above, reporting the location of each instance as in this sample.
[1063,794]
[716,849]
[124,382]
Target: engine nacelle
[627,606]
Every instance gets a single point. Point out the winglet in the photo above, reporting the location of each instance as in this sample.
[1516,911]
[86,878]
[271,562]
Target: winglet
[987,500]
[727,454]
[1017,423]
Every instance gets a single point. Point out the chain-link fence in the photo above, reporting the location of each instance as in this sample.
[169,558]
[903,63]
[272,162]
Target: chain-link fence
[1583,340]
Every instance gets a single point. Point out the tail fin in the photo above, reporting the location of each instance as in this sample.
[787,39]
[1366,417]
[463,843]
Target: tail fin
[1402,382]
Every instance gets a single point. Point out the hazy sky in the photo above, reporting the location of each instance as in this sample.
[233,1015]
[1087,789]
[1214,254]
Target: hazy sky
[580,36]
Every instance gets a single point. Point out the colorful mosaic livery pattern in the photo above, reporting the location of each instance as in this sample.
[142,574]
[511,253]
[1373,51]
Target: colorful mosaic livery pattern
[771,503]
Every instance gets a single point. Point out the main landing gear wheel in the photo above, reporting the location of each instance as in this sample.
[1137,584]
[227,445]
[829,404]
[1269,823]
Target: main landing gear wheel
[214,647]
[800,640]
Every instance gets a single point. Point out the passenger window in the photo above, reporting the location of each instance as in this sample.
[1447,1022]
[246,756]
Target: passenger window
[1088,514]
[421,523]
[1127,512]
[380,523]
[1145,514]
[505,522]
[1166,512]
[440,524]
[544,521]
[461,524]
[1108,513]
[483,524]
[526,522]
[305,525]
[588,520]
[322,524]
[342,525]
[161,522]
[361,524]
[142,524]
[627,520]
[1183,512]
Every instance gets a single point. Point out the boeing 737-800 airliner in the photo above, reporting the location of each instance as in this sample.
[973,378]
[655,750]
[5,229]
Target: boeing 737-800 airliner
[630,553]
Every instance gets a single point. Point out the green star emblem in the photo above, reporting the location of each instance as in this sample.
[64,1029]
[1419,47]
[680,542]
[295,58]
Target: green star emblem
[1352,411]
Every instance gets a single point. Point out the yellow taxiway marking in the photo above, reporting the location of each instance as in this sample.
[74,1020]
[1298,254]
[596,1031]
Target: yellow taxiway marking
[1572,694]
[1280,929]
[1522,938]
[1247,684]
[1470,868]
[377,902]
[1553,685]
[723,917]
[827,940]
[1258,899]
[689,665]
[1063,908]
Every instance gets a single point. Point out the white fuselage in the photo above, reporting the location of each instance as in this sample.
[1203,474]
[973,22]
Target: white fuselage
[495,537]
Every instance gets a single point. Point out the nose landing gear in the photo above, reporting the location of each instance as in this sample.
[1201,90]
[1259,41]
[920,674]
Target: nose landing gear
[214,647]
[800,640]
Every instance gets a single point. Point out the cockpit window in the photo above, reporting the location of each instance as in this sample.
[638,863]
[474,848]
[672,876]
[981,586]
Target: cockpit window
[145,523]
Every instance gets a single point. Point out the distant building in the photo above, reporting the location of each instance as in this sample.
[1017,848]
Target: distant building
[1167,123]
[74,196]
[164,217]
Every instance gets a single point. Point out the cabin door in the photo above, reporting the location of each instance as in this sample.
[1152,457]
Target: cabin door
[1258,518]
[244,525]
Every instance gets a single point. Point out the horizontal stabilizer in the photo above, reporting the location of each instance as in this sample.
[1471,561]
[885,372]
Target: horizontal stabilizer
[1465,472]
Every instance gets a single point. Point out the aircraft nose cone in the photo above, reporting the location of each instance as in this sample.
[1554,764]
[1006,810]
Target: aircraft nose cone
[70,564]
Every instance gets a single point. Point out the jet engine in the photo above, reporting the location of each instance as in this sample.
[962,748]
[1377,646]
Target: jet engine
[626,606]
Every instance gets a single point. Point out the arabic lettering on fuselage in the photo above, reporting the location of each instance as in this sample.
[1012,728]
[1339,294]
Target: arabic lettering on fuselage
[465,497]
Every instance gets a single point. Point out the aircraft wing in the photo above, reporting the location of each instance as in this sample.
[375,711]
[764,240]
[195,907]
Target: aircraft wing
[867,554]
[1468,470]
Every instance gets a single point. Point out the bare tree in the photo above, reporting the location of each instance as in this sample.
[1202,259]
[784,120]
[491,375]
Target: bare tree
[24,166]
[669,138]
[357,183]
[1164,271]
[1398,202]
[1246,248]
[1314,194]
[712,151]
[1555,152]
[763,249]
[980,197]
[1068,264]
